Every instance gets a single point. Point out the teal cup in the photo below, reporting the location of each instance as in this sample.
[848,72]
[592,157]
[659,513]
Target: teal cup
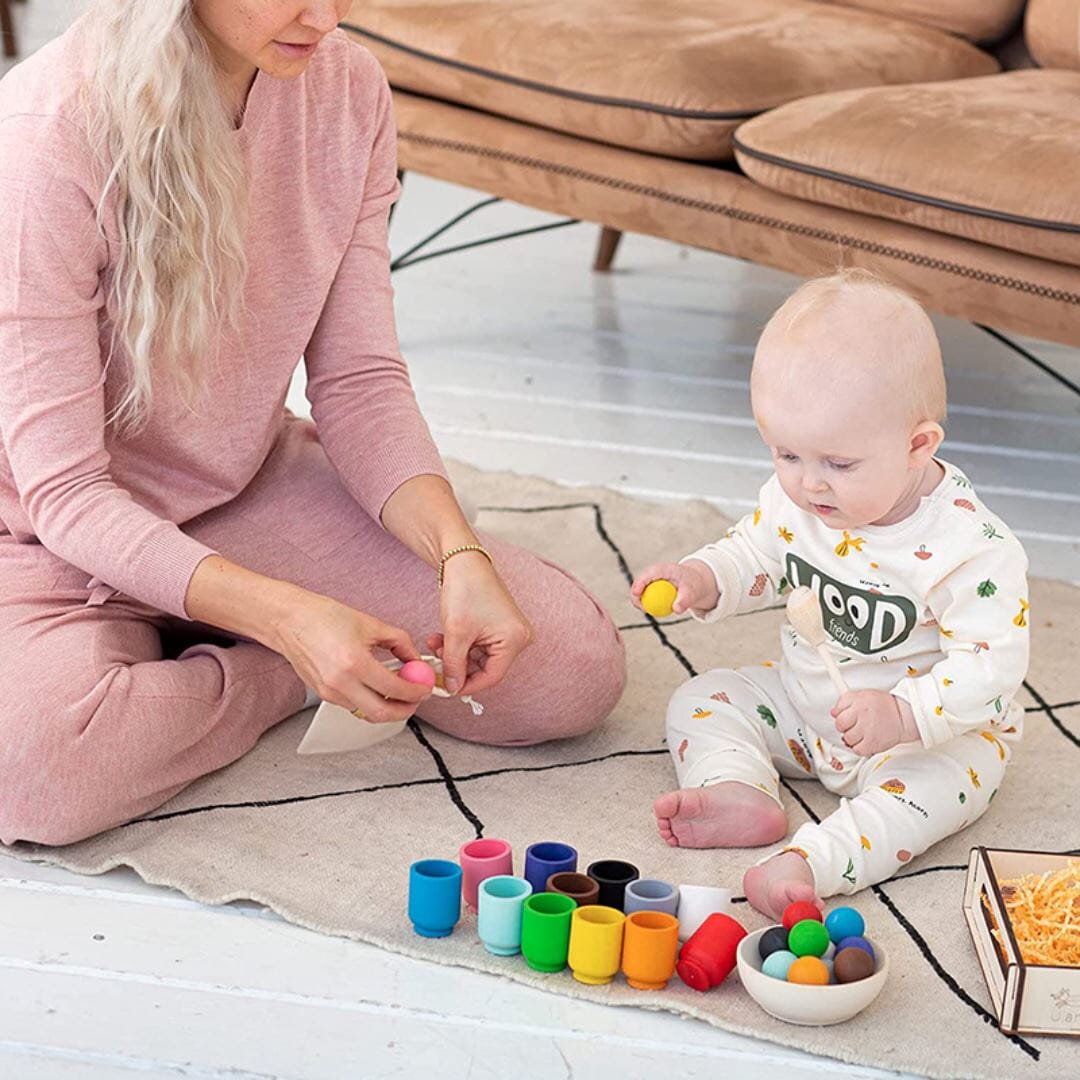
[501,906]
[545,930]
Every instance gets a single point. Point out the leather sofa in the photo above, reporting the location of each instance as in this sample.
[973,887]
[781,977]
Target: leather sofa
[801,134]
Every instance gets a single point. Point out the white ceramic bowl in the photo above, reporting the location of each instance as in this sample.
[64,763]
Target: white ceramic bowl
[810,1005]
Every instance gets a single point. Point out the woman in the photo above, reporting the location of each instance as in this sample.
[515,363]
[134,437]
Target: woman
[193,193]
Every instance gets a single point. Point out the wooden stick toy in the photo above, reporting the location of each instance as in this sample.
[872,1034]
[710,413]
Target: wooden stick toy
[804,614]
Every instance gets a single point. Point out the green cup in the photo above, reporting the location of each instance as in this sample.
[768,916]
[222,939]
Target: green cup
[545,930]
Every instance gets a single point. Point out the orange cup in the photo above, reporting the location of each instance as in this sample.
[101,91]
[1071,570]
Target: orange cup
[650,947]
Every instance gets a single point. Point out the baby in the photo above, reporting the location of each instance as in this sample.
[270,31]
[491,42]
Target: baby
[922,590]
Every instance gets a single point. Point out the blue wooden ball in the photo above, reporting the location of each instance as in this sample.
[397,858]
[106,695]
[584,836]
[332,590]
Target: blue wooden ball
[844,922]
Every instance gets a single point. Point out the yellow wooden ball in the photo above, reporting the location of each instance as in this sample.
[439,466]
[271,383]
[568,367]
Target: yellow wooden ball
[658,598]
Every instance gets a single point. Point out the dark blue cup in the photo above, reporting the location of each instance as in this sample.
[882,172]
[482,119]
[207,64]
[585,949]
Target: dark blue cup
[434,897]
[547,858]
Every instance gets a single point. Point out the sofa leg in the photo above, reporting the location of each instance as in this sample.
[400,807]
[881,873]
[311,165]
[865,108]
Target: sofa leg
[606,248]
[7,31]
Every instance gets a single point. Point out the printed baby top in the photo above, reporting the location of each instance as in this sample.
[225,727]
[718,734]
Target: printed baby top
[933,609]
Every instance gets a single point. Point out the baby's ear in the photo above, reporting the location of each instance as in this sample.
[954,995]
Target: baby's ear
[925,441]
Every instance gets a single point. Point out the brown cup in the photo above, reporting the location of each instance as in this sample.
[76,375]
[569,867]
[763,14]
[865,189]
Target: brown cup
[579,887]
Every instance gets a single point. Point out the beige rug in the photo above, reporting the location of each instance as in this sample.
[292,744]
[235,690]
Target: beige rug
[295,834]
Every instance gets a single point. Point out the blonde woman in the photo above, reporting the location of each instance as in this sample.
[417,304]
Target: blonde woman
[193,193]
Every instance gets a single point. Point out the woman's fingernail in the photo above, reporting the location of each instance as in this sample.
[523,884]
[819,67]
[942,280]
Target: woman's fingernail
[452,685]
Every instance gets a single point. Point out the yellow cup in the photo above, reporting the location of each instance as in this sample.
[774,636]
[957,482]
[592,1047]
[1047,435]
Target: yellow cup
[596,936]
[649,950]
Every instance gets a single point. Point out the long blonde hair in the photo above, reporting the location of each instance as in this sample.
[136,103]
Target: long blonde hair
[163,134]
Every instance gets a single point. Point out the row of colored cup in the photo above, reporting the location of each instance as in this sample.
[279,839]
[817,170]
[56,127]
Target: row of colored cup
[551,866]
[551,930]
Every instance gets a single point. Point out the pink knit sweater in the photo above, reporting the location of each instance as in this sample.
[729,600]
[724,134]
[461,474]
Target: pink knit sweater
[321,158]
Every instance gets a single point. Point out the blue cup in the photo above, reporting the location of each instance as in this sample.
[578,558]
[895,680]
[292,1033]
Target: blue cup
[501,906]
[434,897]
[649,894]
[547,858]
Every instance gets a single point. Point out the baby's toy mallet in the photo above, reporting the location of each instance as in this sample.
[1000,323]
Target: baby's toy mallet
[804,613]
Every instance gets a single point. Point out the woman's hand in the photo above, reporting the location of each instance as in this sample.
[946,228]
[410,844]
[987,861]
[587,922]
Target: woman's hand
[483,629]
[331,647]
[693,580]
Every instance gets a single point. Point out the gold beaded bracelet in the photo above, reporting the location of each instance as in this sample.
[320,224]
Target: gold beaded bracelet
[457,551]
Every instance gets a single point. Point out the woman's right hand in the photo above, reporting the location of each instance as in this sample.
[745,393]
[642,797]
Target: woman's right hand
[693,580]
[331,647]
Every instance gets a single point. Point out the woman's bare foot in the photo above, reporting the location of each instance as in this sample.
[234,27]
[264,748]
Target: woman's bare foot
[729,814]
[782,880]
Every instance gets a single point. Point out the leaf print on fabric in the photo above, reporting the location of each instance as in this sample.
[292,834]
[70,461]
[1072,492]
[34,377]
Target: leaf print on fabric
[844,547]
[849,873]
[986,588]
[766,714]
[881,762]
[961,481]
[1021,617]
[962,797]
[785,534]
[996,702]
[990,532]
[784,583]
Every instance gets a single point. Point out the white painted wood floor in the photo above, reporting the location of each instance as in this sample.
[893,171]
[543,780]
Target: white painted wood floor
[525,360]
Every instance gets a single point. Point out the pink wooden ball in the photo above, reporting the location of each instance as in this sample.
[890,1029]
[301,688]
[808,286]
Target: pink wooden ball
[419,672]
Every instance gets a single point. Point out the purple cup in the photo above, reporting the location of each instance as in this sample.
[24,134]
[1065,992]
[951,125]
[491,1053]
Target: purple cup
[546,858]
[481,859]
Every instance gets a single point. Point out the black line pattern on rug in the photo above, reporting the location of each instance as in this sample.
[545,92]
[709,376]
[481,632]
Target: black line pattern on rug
[1049,710]
[448,778]
[624,566]
[264,804]
[948,979]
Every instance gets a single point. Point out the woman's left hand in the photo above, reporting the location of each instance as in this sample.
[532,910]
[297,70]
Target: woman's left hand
[483,629]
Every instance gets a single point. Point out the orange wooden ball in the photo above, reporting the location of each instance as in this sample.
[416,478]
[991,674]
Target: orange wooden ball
[809,971]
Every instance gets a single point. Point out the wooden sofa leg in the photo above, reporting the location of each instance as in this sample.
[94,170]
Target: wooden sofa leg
[606,248]
[7,30]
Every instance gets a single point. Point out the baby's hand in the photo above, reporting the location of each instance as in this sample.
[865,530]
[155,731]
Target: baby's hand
[870,721]
[693,580]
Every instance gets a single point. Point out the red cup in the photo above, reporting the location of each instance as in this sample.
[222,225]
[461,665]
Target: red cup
[708,956]
[481,859]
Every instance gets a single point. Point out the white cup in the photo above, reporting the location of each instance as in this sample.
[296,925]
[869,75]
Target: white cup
[697,903]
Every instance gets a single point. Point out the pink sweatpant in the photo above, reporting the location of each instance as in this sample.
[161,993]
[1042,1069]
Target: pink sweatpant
[96,728]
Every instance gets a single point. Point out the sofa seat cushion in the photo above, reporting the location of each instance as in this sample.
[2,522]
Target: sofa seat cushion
[993,159]
[671,78]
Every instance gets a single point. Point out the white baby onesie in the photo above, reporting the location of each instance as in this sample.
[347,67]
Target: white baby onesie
[933,609]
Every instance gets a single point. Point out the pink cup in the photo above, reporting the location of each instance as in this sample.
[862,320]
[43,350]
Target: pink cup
[481,859]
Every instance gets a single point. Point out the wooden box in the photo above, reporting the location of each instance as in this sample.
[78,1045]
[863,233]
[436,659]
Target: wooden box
[1029,999]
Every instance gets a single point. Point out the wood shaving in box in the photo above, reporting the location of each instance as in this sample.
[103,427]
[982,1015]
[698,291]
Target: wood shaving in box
[1044,910]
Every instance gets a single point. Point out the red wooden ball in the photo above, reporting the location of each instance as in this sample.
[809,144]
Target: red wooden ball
[801,909]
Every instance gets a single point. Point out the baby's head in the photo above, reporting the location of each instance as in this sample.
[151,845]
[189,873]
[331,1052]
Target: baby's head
[848,392]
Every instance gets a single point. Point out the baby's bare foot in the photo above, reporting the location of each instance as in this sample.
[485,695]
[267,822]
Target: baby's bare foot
[782,880]
[721,815]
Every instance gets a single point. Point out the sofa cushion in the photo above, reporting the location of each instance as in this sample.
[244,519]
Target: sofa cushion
[979,20]
[1052,29]
[993,159]
[671,78]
